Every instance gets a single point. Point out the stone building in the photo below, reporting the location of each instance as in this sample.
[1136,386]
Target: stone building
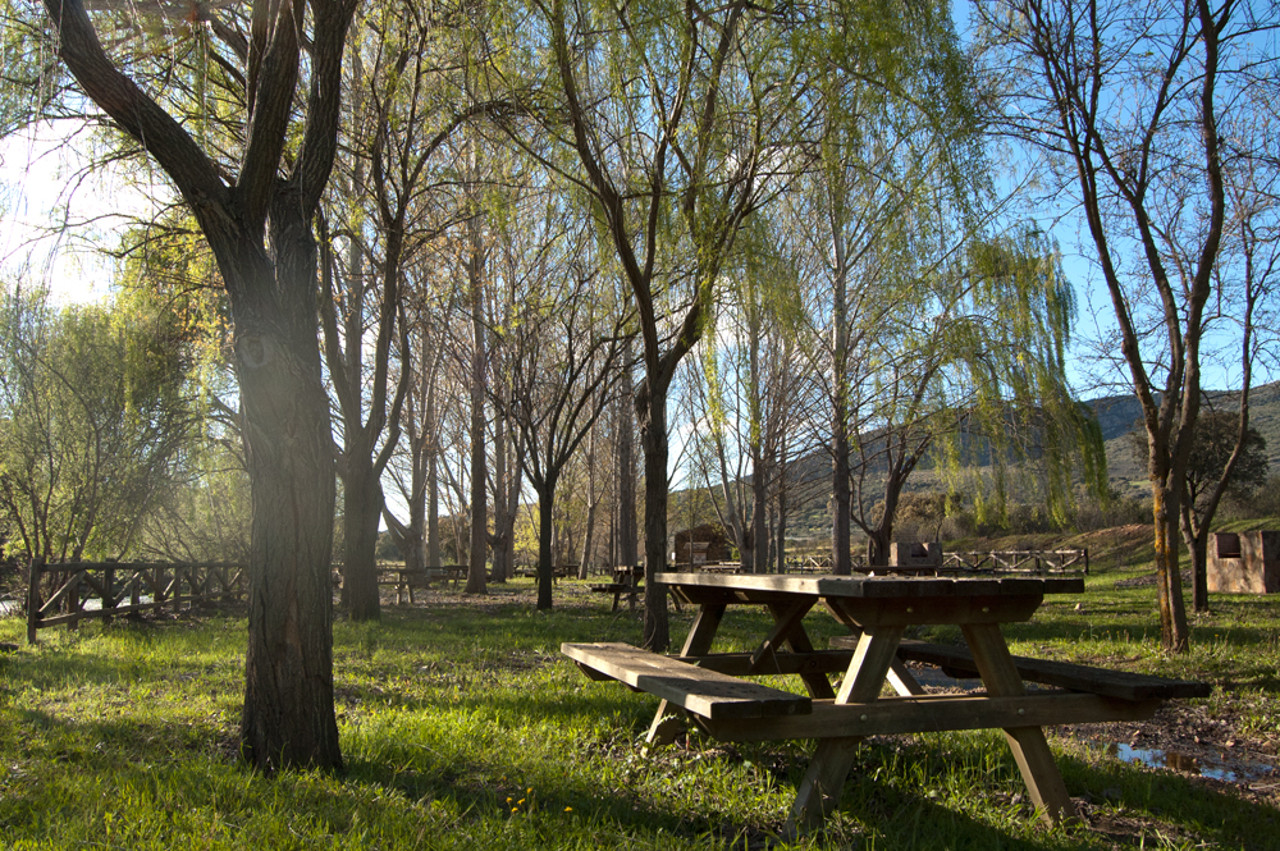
[915,554]
[1244,562]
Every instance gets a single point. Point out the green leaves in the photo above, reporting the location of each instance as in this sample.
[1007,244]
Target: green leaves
[93,416]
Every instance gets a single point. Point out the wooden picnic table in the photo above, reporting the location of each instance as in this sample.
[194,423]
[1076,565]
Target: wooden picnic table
[713,691]
[626,581]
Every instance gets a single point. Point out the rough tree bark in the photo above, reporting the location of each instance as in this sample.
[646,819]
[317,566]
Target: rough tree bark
[258,225]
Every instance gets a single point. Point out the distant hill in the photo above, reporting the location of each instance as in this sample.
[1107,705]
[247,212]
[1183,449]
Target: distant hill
[1117,416]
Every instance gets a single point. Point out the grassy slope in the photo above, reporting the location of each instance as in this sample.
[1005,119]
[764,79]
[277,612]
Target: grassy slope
[463,727]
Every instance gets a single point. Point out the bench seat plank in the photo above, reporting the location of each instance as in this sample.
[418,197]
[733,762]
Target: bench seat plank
[934,713]
[703,692]
[1084,678]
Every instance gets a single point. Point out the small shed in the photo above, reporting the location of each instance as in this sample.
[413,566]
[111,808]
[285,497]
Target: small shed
[703,544]
[915,554]
[1244,562]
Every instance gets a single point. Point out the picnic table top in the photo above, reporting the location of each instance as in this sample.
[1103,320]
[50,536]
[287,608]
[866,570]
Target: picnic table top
[887,586]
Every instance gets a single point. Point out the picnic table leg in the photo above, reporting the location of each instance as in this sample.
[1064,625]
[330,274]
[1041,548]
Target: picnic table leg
[1030,749]
[789,630]
[823,782]
[899,676]
[667,726]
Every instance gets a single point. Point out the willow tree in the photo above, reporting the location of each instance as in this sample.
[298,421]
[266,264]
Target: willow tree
[249,146]
[96,419]
[748,397]
[895,131]
[671,117]
[1141,110]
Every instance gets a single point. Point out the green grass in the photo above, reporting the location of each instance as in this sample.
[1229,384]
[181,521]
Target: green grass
[462,726]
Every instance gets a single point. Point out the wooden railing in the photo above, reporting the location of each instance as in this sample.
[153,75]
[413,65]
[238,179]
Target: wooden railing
[61,593]
[67,593]
[1004,562]
[1020,561]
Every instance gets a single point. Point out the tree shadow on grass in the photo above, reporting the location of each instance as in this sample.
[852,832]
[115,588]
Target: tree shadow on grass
[897,792]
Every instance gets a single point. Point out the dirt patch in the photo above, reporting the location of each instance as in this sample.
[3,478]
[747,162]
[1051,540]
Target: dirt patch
[1212,743]
[1191,739]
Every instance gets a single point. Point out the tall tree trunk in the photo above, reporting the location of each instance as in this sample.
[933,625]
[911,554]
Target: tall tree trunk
[502,525]
[759,517]
[362,508]
[653,437]
[288,716]
[479,508]
[841,497]
[780,553]
[412,548]
[512,497]
[627,534]
[1173,619]
[433,491]
[588,537]
[546,532]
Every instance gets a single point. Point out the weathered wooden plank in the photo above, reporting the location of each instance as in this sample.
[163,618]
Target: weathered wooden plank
[933,714]
[1084,678]
[703,692]
[763,586]
[862,612]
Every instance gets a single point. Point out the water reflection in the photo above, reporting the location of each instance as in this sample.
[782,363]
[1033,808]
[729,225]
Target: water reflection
[1222,768]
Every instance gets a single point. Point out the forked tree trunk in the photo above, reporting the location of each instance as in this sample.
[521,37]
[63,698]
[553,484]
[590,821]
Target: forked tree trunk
[1173,619]
[288,717]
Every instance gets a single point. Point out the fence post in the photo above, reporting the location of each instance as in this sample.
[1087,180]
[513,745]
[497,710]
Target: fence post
[74,603]
[33,597]
[109,600]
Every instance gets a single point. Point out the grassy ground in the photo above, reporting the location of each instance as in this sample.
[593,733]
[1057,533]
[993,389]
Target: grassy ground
[462,726]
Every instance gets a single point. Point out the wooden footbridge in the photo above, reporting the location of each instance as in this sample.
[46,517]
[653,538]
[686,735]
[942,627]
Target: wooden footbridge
[65,594]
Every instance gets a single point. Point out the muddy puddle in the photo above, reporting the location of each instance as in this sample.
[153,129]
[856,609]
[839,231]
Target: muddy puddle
[1221,766]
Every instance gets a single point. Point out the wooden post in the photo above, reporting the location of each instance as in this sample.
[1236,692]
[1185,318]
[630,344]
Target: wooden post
[1030,749]
[109,600]
[33,597]
[74,603]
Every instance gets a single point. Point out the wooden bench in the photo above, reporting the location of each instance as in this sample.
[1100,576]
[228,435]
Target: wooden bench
[532,573]
[625,580]
[406,581]
[956,661]
[707,693]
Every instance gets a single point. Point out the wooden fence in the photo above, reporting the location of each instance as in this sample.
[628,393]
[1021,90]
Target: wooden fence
[1020,561]
[70,592]
[1001,562]
[67,593]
